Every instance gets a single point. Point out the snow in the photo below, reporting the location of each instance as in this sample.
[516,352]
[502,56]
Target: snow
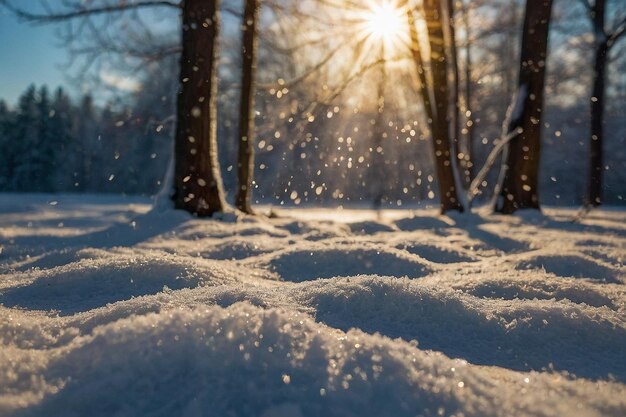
[111,308]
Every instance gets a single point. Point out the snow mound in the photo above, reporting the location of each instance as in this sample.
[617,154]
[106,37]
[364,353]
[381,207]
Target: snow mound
[323,262]
[48,260]
[235,249]
[436,254]
[577,266]
[109,307]
[247,361]
[545,288]
[92,283]
[532,335]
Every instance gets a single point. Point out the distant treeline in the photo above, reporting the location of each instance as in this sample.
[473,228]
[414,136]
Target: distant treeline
[336,120]
[51,144]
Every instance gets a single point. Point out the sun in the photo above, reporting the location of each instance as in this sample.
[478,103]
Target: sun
[384,20]
[383,24]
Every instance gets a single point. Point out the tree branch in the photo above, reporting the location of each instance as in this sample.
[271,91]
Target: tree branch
[85,11]
[617,33]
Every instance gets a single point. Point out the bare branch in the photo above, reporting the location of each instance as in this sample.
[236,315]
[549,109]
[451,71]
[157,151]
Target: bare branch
[617,33]
[308,72]
[80,11]
[474,187]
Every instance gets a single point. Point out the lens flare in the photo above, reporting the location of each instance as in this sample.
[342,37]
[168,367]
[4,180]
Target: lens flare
[384,20]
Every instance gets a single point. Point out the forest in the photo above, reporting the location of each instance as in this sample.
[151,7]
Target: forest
[303,208]
[319,132]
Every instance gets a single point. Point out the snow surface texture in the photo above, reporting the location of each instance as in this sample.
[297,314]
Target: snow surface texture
[110,309]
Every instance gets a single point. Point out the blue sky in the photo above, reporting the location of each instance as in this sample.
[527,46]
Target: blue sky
[33,54]
[28,54]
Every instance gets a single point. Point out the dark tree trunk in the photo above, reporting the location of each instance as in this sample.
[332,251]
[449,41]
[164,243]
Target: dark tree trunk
[440,122]
[197,178]
[455,92]
[469,168]
[596,165]
[594,185]
[245,161]
[520,179]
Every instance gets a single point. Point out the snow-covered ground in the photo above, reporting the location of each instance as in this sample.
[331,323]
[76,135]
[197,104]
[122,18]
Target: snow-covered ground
[111,309]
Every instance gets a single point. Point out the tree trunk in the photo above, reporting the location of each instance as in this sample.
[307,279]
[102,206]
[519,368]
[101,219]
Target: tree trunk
[594,185]
[440,122]
[378,158]
[198,182]
[419,63]
[245,161]
[509,53]
[469,168]
[520,176]
[455,93]
[596,165]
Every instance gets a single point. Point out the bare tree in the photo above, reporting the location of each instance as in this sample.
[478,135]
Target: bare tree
[467,162]
[197,178]
[245,161]
[604,39]
[379,127]
[436,99]
[455,96]
[518,185]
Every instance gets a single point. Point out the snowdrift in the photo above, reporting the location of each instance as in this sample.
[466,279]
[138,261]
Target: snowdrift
[109,308]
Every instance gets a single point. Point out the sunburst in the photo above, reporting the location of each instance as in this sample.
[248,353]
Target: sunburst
[384,22]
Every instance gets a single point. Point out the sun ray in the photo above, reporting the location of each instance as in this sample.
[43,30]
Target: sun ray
[384,20]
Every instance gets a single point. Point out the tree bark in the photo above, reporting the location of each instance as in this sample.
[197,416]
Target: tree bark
[520,176]
[469,168]
[596,165]
[455,92]
[245,161]
[440,122]
[198,182]
[594,185]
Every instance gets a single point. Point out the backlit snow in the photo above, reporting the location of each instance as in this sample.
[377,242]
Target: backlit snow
[110,308]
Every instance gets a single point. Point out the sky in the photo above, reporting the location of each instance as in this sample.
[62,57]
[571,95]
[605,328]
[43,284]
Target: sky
[29,54]
[33,54]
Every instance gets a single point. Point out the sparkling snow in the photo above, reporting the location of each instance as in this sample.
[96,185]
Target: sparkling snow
[111,308]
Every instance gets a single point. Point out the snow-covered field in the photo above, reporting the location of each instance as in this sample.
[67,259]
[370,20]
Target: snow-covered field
[110,309]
